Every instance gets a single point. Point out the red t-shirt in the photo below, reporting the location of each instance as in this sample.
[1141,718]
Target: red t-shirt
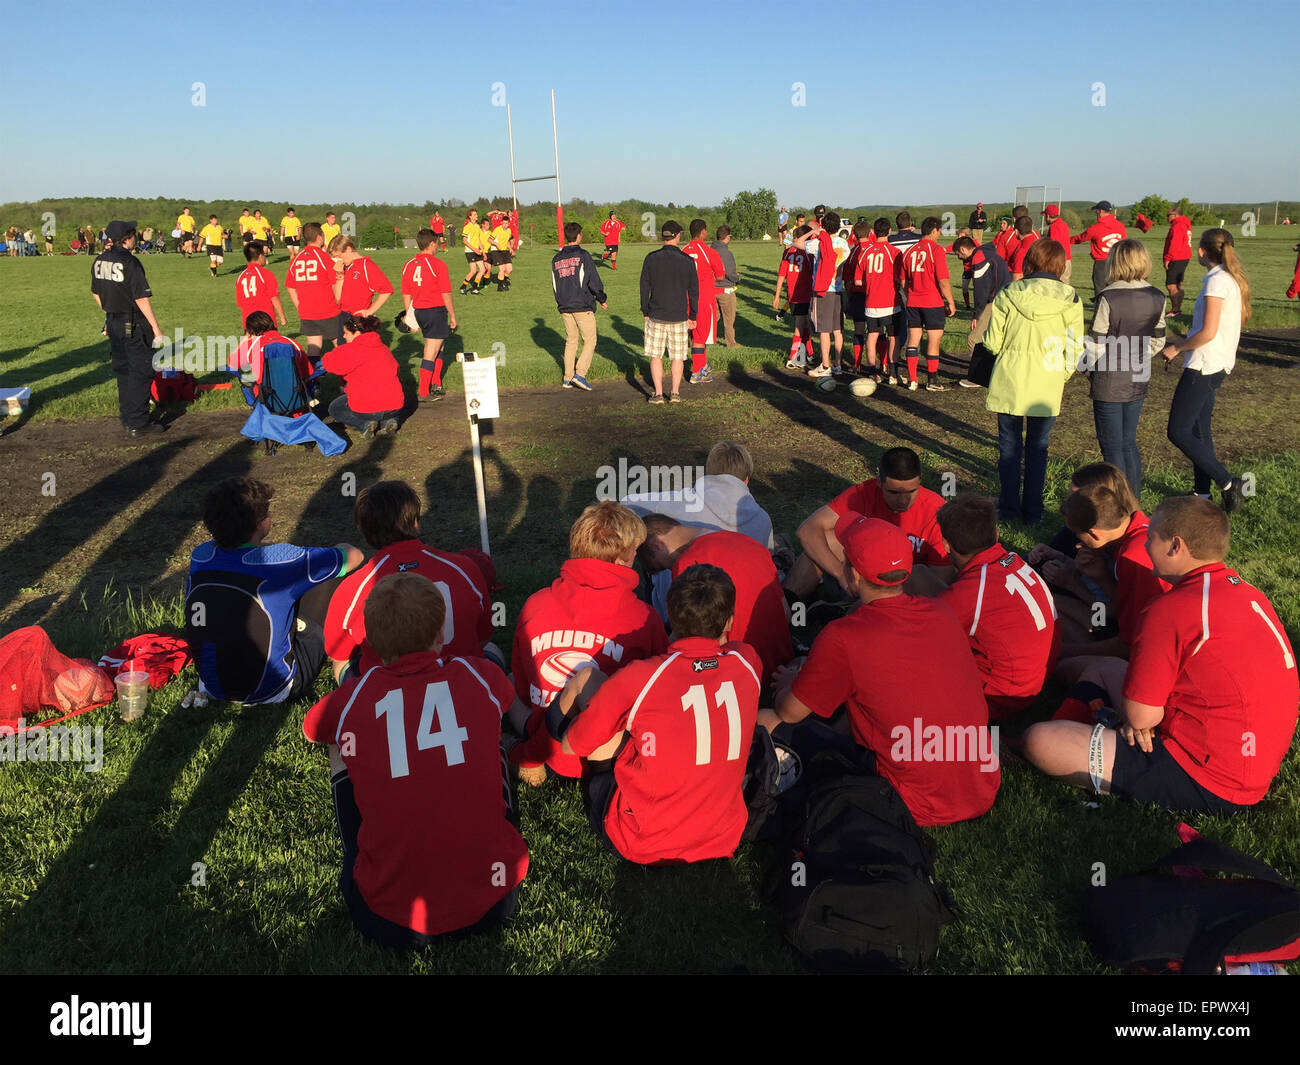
[919,522]
[880,276]
[1178,241]
[1103,234]
[590,615]
[1213,653]
[921,268]
[1059,231]
[1009,617]
[1022,249]
[1000,242]
[436,224]
[255,287]
[1136,582]
[690,714]
[760,618]
[311,274]
[854,271]
[369,374]
[361,280]
[796,269]
[468,623]
[1294,287]
[425,278]
[708,268]
[921,711]
[612,229]
[421,738]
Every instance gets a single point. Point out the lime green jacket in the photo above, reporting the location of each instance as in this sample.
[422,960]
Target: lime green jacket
[1035,330]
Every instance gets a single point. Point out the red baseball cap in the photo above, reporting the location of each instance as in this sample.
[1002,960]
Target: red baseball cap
[874,547]
[1052,211]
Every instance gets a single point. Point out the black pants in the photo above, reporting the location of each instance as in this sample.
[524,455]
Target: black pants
[132,362]
[1190,414]
[308,638]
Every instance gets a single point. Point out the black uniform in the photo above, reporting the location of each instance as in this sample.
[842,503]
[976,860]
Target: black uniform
[117,278]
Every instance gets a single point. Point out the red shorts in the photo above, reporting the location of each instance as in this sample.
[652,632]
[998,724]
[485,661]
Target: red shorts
[706,322]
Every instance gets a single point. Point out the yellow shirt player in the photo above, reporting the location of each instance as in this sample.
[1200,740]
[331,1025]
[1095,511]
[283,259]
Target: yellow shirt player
[501,245]
[291,229]
[185,223]
[330,229]
[261,227]
[213,238]
[245,222]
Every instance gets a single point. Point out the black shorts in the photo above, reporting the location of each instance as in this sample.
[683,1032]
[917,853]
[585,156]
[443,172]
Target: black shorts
[433,322]
[930,317]
[247,236]
[857,308]
[1175,271]
[321,327]
[888,326]
[1157,778]
[292,242]
[610,248]
[215,249]
[800,310]
[472,257]
[597,793]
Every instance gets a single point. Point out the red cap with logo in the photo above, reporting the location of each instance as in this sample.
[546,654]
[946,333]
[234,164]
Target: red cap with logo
[1052,211]
[875,548]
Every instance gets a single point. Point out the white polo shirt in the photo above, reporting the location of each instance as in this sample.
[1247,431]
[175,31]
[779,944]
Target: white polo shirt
[1221,352]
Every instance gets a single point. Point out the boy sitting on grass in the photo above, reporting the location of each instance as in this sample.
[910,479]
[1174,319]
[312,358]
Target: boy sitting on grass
[669,790]
[431,843]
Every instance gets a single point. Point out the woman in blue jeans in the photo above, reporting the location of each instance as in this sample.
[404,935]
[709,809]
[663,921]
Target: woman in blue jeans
[1127,333]
[1035,331]
[1209,353]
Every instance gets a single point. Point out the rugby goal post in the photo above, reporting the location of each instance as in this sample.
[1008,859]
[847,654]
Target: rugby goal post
[1036,198]
[515,182]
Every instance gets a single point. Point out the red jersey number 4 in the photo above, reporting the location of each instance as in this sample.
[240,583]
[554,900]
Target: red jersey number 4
[439,710]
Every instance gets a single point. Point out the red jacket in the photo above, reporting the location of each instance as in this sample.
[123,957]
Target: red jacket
[1103,235]
[1178,241]
[369,374]
[1294,290]
[825,274]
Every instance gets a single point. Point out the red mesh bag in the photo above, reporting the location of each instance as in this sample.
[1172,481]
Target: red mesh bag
[35,677]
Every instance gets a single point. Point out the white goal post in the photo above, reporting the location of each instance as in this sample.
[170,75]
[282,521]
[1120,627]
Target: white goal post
[1036,198]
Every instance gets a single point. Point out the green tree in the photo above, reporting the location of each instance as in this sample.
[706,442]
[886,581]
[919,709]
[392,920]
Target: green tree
[378,233]
[1153,206]
[750,214]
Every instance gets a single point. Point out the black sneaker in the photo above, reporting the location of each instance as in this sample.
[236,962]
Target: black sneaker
[1233,500]
[149,429]
[464,290]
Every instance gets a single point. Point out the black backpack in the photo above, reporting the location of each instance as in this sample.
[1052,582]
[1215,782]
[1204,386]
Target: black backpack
[859,893]
[1174,917]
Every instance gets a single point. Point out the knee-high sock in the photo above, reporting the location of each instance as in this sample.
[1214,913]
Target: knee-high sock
[913,358]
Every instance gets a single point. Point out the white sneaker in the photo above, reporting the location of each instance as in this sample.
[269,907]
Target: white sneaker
[820,371]
[912,386]
[967,384]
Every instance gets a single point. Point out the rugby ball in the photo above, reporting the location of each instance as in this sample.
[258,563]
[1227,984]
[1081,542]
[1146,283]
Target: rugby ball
[863,387]
[556,668]
[827,384]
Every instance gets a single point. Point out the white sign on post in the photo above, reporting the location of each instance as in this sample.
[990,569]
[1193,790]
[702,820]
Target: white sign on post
[480,377]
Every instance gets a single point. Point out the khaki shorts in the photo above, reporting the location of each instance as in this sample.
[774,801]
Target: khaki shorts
[675,336]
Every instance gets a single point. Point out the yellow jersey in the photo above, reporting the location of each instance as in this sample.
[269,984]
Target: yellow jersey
[330,232]
[291,227]
[502,236]
[260,227]
[472,236]
[245,223]
[213,234]
[185,223]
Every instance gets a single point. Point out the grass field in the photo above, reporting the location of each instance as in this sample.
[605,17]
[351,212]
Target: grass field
[98,867]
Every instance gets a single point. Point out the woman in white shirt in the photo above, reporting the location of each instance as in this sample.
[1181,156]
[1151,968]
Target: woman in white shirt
[1209,353]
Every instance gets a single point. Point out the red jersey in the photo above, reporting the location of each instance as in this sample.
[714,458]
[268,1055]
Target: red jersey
[1178,241]
[854,271]
[691,715]
[920,268]
[437,224]
[421,738]
[1136,582]
[590,615]
[1022,249]
[468,623]
[796,269]
[825,262]
[923,713]
[425,278]
[612,229]
[760,619]
[1294,288]
[1000,242]
[708,267]
[369,372]
[361,281]
[1143,222]
[1009,617]
[1103,235]
[311,275]
[1213,653]
[919,522]
[1059,231]
[879,262]
[255,287]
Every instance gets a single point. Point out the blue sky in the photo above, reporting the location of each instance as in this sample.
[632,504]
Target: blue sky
[671,101]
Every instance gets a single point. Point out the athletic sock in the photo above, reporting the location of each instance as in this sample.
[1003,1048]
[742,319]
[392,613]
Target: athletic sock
[932,365]
[795,341]
[697,358]
[858,339]
[913,358]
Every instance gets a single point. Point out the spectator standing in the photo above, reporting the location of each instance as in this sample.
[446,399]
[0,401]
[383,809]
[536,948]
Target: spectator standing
[1059,230]
[578,289]
[1101,236]
[726,287]
[978,222]
[670,300]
